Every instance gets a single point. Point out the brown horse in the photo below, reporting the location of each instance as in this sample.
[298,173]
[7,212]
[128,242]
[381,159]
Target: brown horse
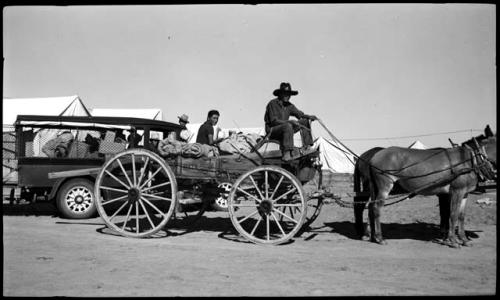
[362,190]
[449,173]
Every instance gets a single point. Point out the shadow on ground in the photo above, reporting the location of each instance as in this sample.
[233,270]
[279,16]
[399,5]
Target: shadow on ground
[222,224]
[30,209]
[420,231]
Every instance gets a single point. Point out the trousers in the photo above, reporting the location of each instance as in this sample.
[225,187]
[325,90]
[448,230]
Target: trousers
[284,133]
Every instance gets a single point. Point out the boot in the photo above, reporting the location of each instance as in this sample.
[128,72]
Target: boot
[287,156]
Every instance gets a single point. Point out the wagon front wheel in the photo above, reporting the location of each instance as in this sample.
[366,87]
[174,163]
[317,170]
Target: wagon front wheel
[267,205]
[136,193]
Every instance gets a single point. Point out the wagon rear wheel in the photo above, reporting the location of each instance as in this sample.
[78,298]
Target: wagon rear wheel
[267,205]
[136,193]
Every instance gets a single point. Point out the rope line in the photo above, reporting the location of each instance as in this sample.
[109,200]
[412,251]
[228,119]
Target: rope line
[412,136]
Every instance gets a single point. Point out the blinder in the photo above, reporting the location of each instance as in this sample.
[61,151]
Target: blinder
[483,167]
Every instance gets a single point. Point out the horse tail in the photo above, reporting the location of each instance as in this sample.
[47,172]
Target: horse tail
[361,169]
[371,181]
[360,197]
[357,178]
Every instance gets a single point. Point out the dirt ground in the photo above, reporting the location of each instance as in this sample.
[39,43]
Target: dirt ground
[45,255]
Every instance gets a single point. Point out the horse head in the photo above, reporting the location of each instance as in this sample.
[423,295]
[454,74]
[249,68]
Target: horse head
[487,151]
[487,134]
[490,148]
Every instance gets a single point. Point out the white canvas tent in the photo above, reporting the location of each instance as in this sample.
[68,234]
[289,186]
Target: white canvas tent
[417,145]
[333,158]
[145,113]
[51,106]
[12,107]
[193,128]
[224,132]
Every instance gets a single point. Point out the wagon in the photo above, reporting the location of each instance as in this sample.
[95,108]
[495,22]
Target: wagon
[138,192]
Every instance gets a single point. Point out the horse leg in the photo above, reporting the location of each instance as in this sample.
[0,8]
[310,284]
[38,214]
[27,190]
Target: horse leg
[371,215]
[444,213]
[359,207]
[375,208]
[461,220]
[456,197]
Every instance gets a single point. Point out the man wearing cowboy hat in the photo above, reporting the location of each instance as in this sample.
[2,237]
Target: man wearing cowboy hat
[185,134]
[278,112]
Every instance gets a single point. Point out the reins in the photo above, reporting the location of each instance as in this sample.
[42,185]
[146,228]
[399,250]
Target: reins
[381,170]
[477,168]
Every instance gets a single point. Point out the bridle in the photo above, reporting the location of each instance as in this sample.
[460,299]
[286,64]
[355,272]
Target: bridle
[481,163]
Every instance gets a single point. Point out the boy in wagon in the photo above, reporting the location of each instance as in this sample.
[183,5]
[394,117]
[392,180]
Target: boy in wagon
[278,112]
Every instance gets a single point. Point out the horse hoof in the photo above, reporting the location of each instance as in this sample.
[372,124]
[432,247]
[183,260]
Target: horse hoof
[365,238]
[379,241]
[451,244]
[466,243]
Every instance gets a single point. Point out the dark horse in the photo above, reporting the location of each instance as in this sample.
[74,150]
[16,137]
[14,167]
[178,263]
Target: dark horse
[449,173]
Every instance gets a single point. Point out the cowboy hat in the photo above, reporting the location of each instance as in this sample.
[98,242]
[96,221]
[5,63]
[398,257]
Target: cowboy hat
[184,118]
[285,89]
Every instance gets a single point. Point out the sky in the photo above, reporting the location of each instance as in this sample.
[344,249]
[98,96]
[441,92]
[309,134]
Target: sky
[374,74]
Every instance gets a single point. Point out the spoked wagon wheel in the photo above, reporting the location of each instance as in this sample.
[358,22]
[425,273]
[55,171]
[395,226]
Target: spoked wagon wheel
[267,205]
[136,193]
[314,206]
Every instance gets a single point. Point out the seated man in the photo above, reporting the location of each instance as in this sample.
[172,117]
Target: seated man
[278,112]
[185,134]
[134,138]
[206,133]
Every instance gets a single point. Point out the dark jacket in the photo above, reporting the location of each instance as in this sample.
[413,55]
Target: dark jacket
[278,110]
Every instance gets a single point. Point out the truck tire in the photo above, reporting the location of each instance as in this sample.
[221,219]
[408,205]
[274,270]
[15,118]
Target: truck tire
[76,200]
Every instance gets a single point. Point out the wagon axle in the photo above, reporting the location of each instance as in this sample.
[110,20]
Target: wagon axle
[134,195]
[265,207]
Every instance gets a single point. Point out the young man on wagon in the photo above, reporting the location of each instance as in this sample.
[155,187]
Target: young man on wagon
[278,112]
[206,134]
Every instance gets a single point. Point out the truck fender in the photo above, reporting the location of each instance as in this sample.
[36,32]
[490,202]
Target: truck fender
[55,188]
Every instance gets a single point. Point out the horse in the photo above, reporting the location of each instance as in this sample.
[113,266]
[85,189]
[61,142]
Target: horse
[362,195]
[449,173]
